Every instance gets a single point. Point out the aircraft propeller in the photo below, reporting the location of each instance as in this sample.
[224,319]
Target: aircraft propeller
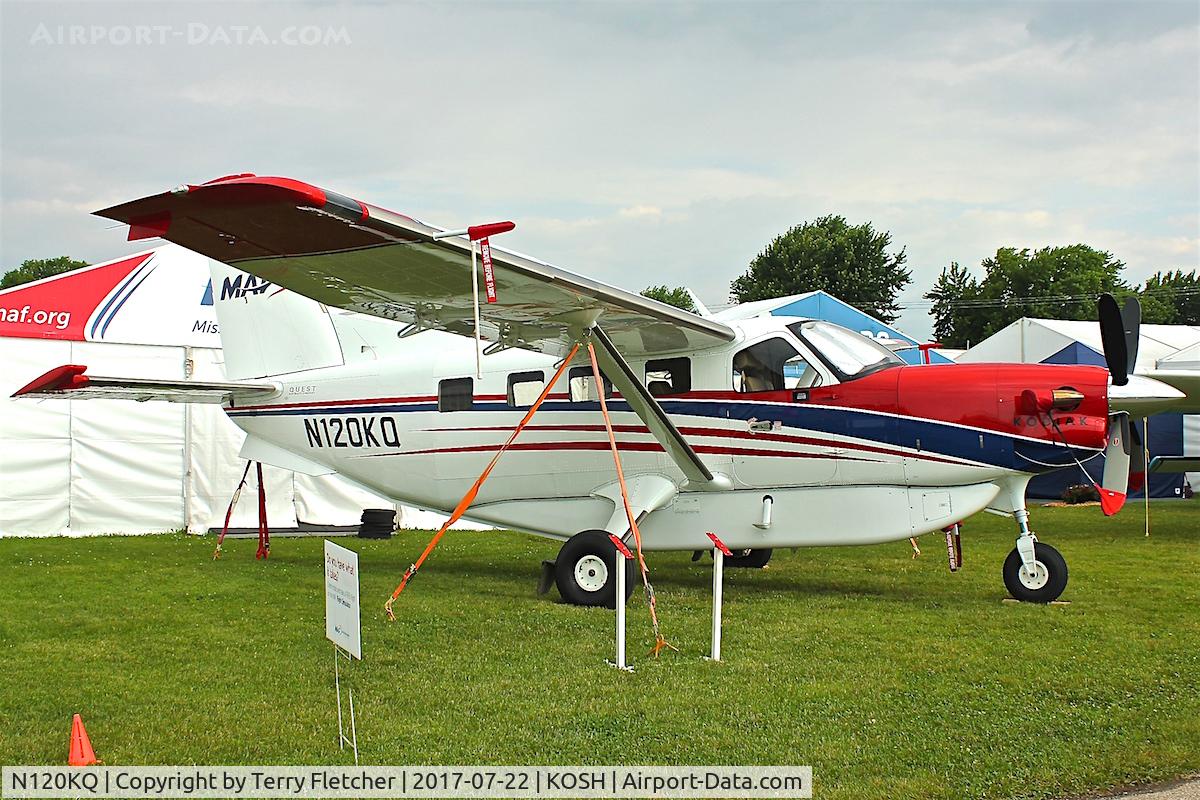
[1119,332]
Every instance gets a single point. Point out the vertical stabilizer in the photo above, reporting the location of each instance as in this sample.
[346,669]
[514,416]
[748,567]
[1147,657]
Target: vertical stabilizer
[268,330]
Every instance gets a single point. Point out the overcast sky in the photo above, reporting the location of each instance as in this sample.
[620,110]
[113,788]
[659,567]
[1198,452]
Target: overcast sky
[637,143]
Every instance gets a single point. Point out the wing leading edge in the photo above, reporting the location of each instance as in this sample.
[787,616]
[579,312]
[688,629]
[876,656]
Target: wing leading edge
[360,257]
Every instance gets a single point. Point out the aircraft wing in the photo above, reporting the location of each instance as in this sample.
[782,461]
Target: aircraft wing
[1174,464]
[1158,391]
[360,257]
[1185,381]
[71,382]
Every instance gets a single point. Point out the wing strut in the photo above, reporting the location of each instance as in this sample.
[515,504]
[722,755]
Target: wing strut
[660,643]
[651,413]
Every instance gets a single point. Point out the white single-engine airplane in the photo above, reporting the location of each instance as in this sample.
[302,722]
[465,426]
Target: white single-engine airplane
[776,432]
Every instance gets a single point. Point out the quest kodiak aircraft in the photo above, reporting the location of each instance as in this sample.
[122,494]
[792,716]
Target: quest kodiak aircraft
[772,431]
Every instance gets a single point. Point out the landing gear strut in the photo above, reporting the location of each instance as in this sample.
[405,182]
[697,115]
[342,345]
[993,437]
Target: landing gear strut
[584,568]
[1034,572]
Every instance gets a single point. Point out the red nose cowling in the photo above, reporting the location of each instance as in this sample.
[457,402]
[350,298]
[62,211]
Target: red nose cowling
[1007,398]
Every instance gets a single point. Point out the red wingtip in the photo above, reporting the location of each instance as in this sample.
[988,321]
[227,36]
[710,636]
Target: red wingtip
[477,232]
[1136,481]
[149,227]
[68,376]
[1110,501]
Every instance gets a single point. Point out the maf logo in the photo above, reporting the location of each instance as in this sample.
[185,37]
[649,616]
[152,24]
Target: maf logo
[244,284]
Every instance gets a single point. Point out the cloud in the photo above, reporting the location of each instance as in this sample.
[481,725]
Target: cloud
[642,212]
[639,144]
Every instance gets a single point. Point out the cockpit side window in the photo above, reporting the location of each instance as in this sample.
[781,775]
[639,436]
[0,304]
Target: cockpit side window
[768,366]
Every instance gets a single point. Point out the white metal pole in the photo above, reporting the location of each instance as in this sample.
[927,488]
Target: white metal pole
[475,299]
[718,581]
[1146,466]
[619,562]
[353,727]
[337,687]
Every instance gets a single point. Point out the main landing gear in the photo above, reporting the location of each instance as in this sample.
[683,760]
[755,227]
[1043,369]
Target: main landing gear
[584,568]
[1034,572]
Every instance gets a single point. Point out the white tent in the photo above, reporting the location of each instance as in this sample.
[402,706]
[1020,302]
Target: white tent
[1187,358]
[117,466]
[1034,341]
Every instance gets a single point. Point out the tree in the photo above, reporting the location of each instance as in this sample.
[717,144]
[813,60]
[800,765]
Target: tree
[34,269]
[678,297]
[848,261]
[953,287]
[1050,283]
[1178,291]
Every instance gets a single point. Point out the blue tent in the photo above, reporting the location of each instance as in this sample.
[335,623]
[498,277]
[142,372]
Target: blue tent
[821,305]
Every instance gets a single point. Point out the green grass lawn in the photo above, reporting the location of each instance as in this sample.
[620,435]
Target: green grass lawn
[889,675]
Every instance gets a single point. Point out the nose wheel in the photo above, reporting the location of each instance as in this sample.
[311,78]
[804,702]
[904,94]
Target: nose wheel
[1040,582]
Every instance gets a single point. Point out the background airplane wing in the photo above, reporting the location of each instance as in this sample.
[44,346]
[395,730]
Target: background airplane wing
[351,255]
[1156,392]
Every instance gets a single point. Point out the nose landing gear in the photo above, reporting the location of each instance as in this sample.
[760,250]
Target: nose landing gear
[1034,572]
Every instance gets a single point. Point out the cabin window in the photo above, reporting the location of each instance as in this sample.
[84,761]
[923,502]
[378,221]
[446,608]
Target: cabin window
[667,376]
[524,388]
[771,366]
[583,385]
[456,394]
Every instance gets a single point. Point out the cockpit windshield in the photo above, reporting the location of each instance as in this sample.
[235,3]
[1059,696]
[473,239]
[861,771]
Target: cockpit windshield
[850,355]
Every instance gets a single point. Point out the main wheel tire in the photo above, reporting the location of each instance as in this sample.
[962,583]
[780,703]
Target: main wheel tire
[1045,583]
[584,570]
[749,559]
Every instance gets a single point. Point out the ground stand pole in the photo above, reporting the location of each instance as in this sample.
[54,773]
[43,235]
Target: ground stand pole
[718,586]
[620,614]
[620,556]
[718,581]
[343,739]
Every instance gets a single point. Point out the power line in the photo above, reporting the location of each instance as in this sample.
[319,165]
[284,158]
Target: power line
[1001,302]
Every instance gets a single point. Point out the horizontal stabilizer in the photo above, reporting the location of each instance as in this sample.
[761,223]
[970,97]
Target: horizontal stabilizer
[72,382]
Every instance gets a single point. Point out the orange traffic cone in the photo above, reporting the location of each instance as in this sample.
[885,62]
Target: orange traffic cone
[82,754]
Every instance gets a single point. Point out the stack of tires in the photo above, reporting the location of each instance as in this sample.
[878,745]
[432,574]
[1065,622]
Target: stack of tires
[377,523]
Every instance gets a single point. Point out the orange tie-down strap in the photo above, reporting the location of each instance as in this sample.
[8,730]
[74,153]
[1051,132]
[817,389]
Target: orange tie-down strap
[659,642]
[473,492]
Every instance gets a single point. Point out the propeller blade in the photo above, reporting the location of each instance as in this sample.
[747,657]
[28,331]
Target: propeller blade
[1112,334]
[1115,484]
[1131,316]
[1137,460]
